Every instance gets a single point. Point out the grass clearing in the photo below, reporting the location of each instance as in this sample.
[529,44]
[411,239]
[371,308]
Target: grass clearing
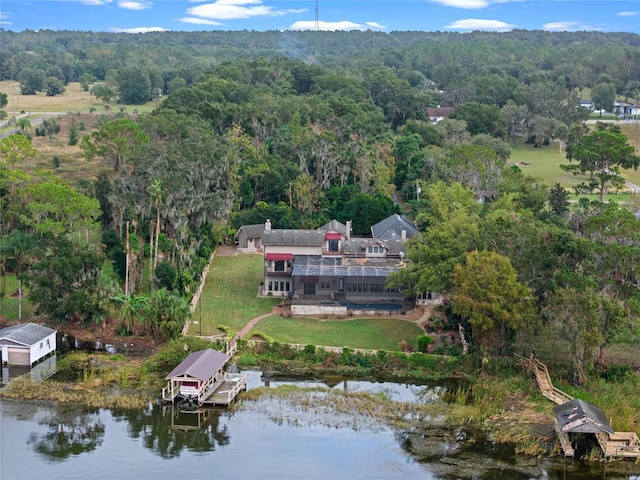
[74,99]
[9,305]
[544,163]
[368,333]
[230,294]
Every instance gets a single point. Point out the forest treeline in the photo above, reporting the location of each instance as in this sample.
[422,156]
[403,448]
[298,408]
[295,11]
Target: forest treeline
[303,128]
[450,60]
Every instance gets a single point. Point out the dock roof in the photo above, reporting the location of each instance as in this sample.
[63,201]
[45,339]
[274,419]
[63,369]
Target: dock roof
[580,416]
[200,365]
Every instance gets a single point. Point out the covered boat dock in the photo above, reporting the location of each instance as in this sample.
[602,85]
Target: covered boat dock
[201,380]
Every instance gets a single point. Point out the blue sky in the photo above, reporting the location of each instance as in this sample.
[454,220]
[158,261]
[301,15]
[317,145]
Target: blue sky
[378,15]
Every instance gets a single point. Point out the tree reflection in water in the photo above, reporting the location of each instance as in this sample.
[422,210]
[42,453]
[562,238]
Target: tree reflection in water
[194,431]
[72,431]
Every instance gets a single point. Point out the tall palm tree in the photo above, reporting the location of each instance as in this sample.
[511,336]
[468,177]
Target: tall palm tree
[157,196]
[168,312]
[133,308]
[23,124]
[19,247]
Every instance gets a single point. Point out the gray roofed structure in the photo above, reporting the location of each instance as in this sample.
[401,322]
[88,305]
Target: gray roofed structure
[391,228]
[25,334]
[311,238]
[316,266]
[580,416]
[200,365]
[339,227]
[251,231]
[357,246]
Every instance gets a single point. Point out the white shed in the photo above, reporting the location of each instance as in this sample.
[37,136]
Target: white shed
[26,343]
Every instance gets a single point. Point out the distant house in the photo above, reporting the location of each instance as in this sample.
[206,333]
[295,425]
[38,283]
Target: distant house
[438,114]
[626,109]
[328,271]
[587,103]
[249,237]
[26,344]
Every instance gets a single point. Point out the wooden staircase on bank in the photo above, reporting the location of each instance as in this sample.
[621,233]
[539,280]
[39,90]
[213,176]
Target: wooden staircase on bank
[544,380]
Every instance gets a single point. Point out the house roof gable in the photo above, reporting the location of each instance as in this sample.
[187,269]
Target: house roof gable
[26,333]
[251,231]
[437,112]
[336,226]
[391,228]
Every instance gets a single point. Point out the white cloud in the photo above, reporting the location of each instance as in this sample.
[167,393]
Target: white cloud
[95,2]
[199,21]
[3,19]
[375,26]
[468,4]
[627,13]
[134,4]
[334,26]
[138,30]
[480,24]
[237,9]
[567,27]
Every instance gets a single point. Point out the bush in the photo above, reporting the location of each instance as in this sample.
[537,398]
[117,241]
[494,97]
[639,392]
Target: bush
[166,275]
[617,373]
[424,342]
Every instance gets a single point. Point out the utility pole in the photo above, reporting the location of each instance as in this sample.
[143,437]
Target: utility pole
[317,21]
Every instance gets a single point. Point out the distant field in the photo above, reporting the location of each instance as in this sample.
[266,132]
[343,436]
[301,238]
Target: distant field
[73,100]
[544,163]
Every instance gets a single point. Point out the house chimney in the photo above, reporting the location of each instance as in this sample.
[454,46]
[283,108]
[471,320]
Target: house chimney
[348,229]
[267,224]
[403,234]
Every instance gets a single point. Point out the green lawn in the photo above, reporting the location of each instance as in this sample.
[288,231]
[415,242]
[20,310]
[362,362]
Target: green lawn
[375,333]
[230,294]
[9,306]
[544,163]
[230,298]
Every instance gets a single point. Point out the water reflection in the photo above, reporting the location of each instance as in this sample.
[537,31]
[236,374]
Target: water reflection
[72,442]
[168,432]
[70,432]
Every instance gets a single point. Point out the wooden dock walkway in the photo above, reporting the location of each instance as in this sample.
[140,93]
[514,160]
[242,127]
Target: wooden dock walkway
[233,384]
[613,445]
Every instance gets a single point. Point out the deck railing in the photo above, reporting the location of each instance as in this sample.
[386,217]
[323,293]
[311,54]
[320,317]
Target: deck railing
[237,381]
[170,392]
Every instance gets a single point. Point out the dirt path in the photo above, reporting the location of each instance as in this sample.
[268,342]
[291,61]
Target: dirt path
[277,310]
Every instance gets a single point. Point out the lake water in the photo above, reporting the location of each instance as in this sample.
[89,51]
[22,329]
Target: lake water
[265,439]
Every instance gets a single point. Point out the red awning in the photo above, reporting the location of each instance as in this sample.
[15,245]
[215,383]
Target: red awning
[332,236]
[279,256]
